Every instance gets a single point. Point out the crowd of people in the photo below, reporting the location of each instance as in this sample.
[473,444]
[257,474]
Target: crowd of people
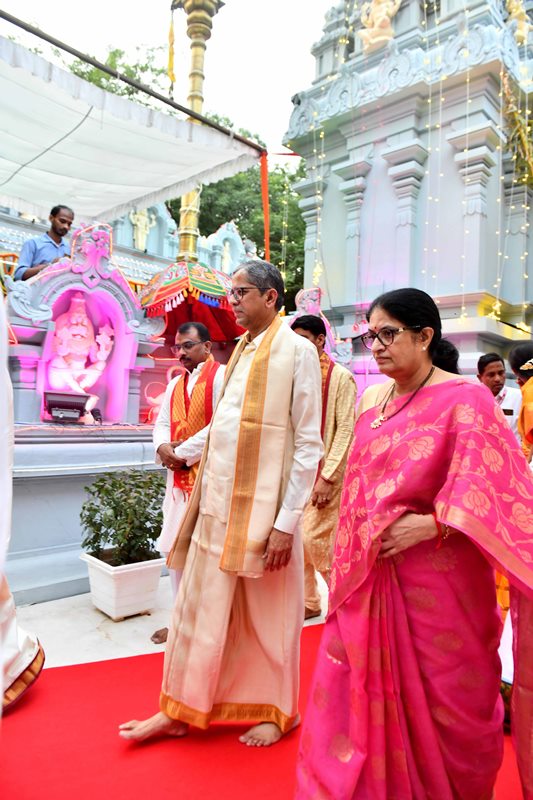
[406,503]
[406,517]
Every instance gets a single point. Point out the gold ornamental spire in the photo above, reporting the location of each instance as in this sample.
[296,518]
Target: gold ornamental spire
[200,15]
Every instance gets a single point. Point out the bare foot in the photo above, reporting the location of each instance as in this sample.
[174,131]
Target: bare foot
[265,734]
[158,725]
[160,636]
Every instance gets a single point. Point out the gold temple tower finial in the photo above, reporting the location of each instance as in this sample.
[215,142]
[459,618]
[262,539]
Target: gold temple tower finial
[200,15]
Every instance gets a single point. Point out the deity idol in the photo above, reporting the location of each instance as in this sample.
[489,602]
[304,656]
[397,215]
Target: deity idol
[376,17]
[79,357]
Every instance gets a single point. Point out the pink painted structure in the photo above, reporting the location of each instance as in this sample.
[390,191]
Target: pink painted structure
[81,330]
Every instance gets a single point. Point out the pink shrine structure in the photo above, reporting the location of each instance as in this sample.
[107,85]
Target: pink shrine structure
[80,333]
[80,330]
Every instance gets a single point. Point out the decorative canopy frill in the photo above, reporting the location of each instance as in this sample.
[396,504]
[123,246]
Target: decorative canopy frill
[189,291]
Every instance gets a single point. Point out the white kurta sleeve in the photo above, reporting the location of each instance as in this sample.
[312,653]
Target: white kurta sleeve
[306,417]
[161,434]
[192,449]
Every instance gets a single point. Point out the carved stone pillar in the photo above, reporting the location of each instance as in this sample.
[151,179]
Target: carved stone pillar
[475,160]
[353,187]
[406,170]
[515,288]
[134,396]
[23,364]
[216,256]
[310,206]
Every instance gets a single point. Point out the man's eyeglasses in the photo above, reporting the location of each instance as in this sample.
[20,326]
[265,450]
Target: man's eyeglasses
[238,294]
[185,346]
[385,335]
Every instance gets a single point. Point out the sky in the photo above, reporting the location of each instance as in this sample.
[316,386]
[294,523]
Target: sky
[257,59]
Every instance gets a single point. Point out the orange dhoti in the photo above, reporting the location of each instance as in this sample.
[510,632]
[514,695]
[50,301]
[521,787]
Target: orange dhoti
[233,648]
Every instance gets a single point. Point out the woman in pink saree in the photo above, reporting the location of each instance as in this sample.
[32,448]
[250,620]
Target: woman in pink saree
[405,700]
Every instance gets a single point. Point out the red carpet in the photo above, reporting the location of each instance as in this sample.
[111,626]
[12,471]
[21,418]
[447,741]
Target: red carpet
[61,743]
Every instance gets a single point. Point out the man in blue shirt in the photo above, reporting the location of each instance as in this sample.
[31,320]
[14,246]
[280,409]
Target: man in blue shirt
[38,253]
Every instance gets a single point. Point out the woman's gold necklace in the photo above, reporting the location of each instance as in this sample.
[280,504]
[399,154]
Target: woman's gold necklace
[377,423]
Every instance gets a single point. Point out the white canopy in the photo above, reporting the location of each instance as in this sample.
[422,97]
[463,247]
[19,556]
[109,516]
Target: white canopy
[63,140]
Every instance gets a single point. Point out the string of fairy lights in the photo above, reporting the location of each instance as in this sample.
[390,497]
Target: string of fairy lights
[466,167]
[514,190]
[433,175]
[316,165]
[282,264]
[526,191]
[500,200]
[514,186]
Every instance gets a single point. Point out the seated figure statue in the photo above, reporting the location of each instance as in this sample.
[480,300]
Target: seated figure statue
[79,357]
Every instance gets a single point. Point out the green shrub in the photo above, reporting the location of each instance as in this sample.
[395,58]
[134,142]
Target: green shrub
[123,516]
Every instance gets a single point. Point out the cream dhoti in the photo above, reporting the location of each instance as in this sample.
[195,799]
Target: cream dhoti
[234,643]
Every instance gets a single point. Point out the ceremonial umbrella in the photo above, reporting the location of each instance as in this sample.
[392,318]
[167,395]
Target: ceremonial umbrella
[187,291]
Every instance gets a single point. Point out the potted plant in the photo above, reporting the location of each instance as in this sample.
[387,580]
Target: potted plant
[122,518]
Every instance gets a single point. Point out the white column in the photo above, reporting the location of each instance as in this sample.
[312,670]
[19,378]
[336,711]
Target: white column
[475,160]
[515,238]
[406,171]
[310,206]
[352,187]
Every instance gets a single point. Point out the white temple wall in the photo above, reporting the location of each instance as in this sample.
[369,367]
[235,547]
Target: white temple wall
[416,191]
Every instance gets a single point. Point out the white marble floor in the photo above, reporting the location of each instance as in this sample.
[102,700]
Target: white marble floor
[72,631]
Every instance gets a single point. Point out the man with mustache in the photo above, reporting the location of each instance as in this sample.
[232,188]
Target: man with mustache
[491,372]
[180,431]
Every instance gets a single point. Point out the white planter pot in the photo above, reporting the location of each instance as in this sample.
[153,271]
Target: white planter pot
[123,591]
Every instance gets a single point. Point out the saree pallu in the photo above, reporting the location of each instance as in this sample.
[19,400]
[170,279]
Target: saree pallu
[405,702]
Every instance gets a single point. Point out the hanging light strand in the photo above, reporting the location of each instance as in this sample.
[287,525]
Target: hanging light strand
[282,264]
[435,256]
[427,171]
[466,168]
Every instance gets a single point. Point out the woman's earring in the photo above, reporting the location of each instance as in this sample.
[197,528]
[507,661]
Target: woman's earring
[424,348]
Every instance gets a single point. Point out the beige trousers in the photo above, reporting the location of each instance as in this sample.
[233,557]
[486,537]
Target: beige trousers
[311,593]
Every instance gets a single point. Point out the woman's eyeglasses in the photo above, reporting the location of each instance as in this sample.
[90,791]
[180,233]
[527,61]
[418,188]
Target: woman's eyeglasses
[385,336]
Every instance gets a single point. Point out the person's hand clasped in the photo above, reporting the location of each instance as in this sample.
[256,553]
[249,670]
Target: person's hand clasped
[278,550]
[322,493]
[168,459]
[407,531]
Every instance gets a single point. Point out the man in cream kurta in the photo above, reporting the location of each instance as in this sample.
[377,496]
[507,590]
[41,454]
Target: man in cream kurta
[233,646]
[338,420]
